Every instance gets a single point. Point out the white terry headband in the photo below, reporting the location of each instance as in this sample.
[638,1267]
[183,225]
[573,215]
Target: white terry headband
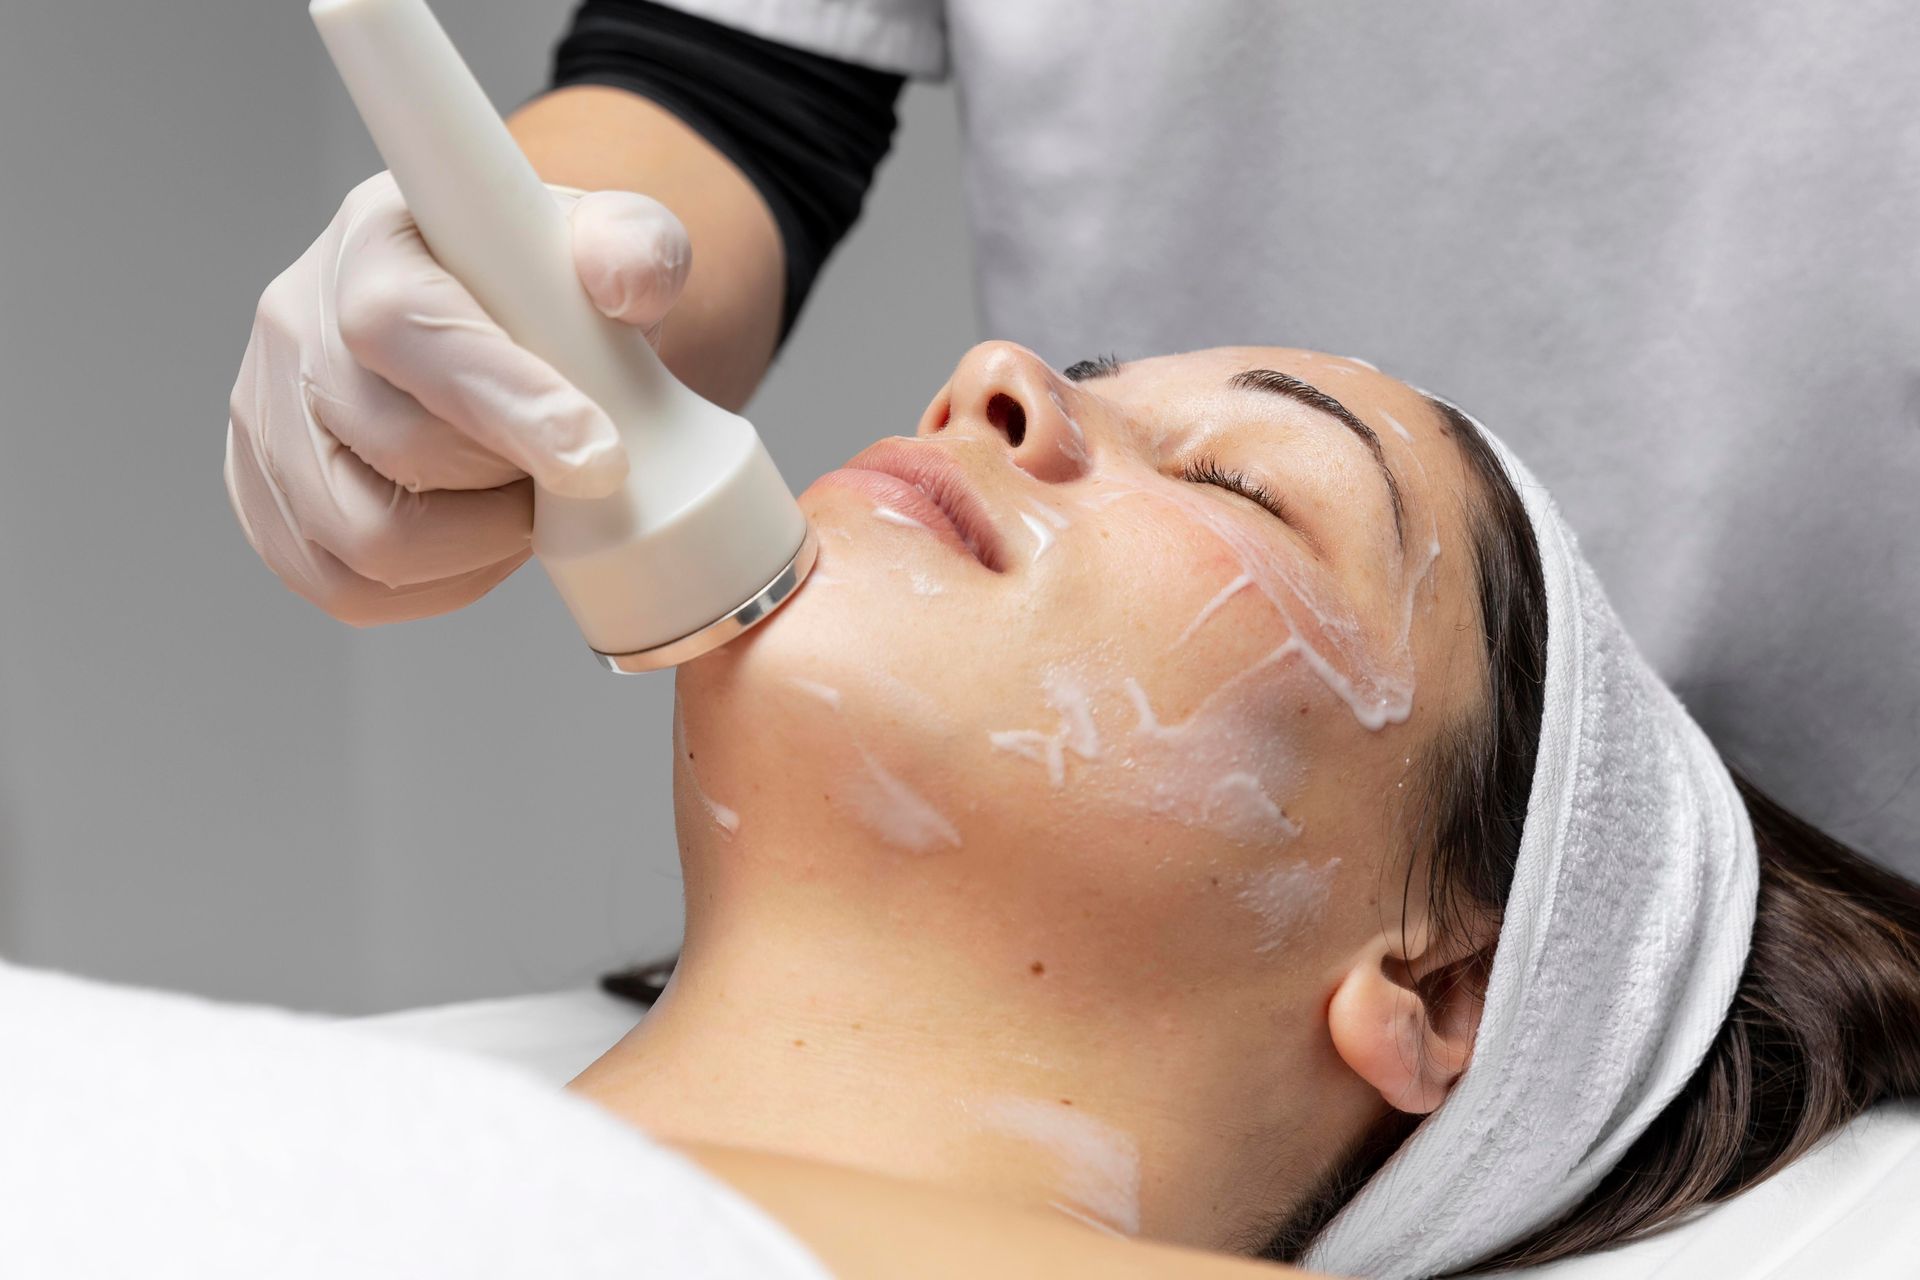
[1625,934]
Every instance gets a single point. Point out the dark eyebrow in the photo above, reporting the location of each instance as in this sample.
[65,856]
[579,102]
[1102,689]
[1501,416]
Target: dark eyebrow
[1277,383]
[1098,367]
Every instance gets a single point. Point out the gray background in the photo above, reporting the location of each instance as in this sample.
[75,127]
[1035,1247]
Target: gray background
[204,783]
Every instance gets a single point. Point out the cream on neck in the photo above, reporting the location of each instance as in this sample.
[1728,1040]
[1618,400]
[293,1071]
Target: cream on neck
[791,1033]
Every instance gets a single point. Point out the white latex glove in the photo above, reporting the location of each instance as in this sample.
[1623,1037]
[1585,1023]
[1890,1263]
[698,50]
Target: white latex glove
[383,427]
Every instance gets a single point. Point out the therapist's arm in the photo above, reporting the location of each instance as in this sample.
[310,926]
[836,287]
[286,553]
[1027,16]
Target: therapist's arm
[764,150]
[720,337]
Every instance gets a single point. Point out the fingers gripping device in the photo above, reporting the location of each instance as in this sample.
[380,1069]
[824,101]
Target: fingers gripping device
[704,538]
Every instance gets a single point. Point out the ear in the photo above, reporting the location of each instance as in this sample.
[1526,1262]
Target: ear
[1404,1017]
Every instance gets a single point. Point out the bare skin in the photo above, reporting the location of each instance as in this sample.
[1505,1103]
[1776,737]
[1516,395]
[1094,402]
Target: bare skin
[720,338]
[861,1225]
[1050,890]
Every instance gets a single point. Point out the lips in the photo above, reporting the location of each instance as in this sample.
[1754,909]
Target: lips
[930,488]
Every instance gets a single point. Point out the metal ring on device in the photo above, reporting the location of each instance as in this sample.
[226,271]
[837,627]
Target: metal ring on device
[716,633]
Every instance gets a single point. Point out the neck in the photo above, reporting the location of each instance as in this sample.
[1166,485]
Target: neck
[820,1038]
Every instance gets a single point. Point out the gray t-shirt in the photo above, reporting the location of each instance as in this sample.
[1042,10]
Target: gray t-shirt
[1669,250]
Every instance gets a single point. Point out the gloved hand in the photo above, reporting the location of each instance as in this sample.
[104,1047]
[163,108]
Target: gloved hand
[383,427]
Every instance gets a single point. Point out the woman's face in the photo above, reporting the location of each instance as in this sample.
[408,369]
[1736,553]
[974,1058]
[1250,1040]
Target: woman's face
[1058,692]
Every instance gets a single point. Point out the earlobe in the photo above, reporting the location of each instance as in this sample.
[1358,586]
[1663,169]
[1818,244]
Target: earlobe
[1409,1048]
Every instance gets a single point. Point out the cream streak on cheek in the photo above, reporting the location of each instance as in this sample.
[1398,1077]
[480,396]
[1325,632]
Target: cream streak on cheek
[1076,732]
[1374,678]
[1042,536]
[1221,768]
[814,689]
[1284,898]
[895,812]
[1041,521]
[1226,593]
[877,798]
[919,581]
[1205,774]
[1051,516]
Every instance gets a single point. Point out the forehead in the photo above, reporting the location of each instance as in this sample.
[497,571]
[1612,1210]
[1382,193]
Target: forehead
[1414,436]
[1208,371]
[1410,428]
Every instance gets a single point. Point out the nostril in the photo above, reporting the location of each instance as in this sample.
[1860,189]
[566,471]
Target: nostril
[1005,413]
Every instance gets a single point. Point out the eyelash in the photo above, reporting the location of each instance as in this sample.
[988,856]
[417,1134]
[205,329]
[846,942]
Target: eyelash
[1207,470]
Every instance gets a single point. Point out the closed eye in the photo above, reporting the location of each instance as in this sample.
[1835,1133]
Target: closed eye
[1207,470]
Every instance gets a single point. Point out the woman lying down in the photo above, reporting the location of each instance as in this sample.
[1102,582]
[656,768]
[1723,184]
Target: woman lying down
[1201,815]
[1208,801]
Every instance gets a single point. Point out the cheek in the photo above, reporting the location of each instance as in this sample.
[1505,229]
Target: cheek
[1174,683]
[1185,747]
[1195,593]
[1098,750]
[1147,730]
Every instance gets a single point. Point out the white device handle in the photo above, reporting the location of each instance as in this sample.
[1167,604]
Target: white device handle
[704,524]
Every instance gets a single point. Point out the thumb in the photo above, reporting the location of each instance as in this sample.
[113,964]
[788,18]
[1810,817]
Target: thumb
[632,256]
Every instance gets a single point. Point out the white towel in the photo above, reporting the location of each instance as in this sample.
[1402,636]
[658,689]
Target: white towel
[153,1135]
[1625,935]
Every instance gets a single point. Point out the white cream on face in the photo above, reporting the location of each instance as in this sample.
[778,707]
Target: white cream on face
[1067,697]
[1215,769]
[873,795]
[1430,554]
[1285,897]
[1233,588]
[1086,1219]
[723,817]
[1209,771]
[1096,1171]
[1074,445]
[894,811]
[1220,768]
[919,581]
[908,702]
[1048,514]
[814,689]
[1231,764]
[1373,678]
[1042,535]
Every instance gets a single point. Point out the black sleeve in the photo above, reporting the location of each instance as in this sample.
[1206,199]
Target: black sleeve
[807,130]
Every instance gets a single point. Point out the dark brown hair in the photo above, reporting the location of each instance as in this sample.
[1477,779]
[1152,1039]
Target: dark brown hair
[1825,1021]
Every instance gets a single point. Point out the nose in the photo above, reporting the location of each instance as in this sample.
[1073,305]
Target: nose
[1003,392]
